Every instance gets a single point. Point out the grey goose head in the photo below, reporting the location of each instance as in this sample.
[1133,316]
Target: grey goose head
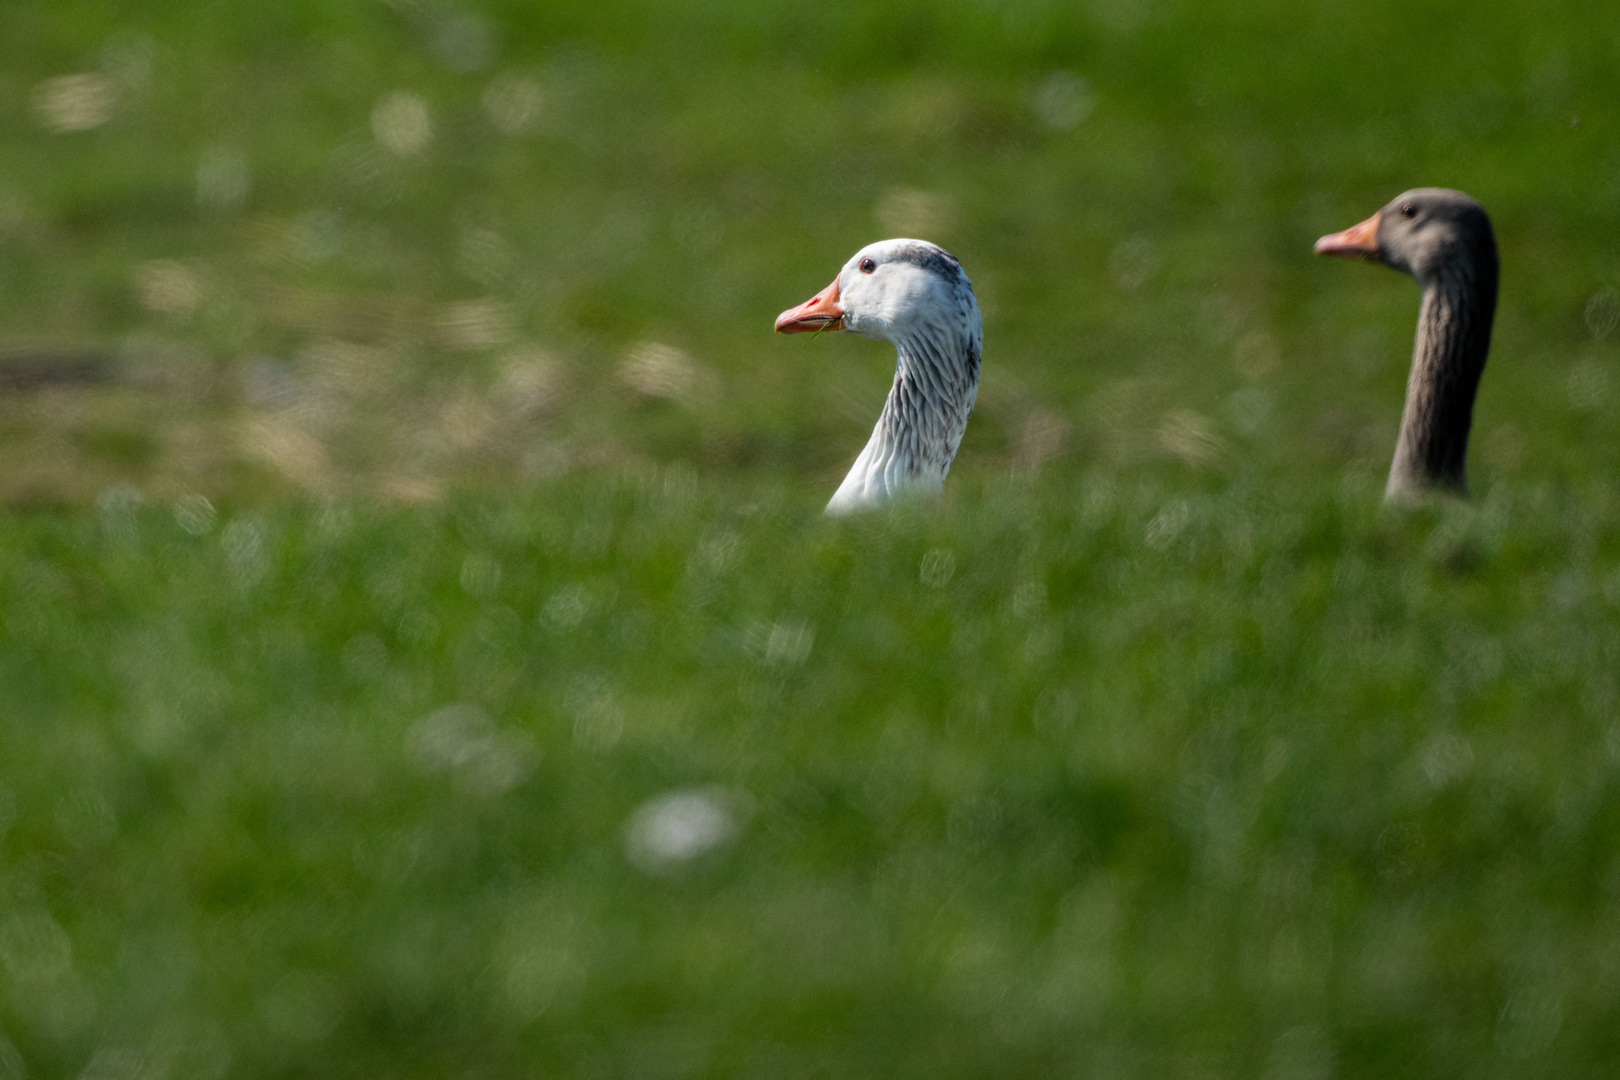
[1425,232]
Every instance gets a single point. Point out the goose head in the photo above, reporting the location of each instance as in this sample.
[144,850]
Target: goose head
[913,294]
[891,291]
[1425,233]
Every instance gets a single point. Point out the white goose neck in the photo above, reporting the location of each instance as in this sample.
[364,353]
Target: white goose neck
[936,380]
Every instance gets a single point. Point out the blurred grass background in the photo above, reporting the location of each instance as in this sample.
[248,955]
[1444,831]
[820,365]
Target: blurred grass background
[422,654]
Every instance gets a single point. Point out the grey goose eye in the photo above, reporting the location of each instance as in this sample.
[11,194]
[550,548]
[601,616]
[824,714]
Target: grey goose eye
[1408,210]
[868,265]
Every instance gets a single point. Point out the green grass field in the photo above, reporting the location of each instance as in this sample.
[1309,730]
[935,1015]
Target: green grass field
[422,654]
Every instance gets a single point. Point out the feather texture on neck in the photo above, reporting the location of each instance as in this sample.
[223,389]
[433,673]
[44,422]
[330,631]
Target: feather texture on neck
[936,380]
[1453,338]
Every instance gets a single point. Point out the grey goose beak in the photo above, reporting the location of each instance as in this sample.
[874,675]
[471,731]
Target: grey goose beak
[1359,241]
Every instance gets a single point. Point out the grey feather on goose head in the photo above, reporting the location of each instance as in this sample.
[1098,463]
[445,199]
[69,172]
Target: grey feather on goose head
[915,295]
[1443,239]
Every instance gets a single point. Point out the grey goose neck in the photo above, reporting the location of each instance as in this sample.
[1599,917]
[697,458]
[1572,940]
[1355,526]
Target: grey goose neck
[1448,358]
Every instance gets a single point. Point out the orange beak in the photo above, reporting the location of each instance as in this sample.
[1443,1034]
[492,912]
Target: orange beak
[1356,242]
[820,312]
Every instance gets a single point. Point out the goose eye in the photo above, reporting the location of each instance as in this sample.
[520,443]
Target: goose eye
[868,265]
[1408,210]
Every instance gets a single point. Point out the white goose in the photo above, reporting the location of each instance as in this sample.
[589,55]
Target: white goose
[915,295]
